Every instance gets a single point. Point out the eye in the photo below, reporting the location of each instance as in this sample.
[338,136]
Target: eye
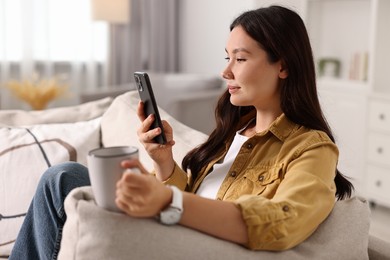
[227,59]
[241,60]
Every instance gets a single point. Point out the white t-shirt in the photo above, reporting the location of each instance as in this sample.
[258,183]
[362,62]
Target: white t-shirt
[213,181]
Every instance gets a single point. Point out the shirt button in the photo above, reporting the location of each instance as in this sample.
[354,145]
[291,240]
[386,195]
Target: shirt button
[249,146]
[286,208]
[261,178]
[233,174]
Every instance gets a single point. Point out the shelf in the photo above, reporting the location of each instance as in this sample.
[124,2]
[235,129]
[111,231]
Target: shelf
[339,30]
[357,110]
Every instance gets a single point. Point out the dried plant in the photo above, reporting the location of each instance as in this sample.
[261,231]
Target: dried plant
[38,93]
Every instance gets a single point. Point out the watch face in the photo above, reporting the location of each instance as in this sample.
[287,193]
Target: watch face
[170,216]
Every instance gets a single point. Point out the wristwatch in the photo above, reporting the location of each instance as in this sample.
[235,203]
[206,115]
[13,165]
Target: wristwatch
[172,214]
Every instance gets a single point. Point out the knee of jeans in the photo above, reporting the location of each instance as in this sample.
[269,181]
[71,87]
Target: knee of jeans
[61,171]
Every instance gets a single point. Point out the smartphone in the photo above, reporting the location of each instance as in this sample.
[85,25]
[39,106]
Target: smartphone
[145,92]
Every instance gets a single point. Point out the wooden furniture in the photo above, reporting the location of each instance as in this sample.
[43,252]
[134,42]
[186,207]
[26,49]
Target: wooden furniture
[378,150]
[357,102]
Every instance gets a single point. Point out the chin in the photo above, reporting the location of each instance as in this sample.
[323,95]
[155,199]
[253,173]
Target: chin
[233,101]
[236,102]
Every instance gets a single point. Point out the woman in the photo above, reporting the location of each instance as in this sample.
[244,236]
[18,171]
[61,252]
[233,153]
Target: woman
[265,178]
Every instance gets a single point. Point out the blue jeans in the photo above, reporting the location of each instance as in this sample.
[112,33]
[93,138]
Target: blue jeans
[41,232]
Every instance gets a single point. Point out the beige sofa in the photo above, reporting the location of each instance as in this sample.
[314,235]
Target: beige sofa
[92,233]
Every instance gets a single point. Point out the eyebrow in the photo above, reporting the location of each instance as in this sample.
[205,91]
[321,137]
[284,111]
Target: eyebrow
[238,50]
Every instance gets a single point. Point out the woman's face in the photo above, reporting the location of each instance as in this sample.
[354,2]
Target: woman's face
[251,79]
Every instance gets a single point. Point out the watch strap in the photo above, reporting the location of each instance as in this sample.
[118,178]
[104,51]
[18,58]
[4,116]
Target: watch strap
[177,198]
[172,214]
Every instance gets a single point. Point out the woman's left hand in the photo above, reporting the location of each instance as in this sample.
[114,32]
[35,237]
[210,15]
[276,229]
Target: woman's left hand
[141,195]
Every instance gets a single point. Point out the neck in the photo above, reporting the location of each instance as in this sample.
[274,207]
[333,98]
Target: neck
[263,122]
[264,118]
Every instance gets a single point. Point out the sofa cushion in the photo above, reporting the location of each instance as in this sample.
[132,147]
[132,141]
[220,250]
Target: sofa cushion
[71,114]
[120,122]
[93,233]
[25,153]
[378,248]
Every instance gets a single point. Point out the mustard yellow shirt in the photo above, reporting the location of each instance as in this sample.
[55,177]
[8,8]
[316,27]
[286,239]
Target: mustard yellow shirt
[283,182]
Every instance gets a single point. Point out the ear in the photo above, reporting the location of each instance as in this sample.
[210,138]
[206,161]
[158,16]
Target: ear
[283,72]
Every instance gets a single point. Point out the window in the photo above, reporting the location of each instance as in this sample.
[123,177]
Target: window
[50,30]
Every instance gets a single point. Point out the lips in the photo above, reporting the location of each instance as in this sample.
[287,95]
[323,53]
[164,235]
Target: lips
[233,89]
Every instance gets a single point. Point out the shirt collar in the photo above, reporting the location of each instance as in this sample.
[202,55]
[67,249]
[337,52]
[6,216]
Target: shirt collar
[282,127]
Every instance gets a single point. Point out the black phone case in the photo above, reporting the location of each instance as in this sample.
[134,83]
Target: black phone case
[145,92]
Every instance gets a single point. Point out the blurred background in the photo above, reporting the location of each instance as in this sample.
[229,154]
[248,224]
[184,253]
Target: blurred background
[92,47]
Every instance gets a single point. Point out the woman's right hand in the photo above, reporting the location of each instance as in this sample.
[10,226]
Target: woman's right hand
[160,154]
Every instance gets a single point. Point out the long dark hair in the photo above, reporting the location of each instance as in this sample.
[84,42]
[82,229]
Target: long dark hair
[282,34]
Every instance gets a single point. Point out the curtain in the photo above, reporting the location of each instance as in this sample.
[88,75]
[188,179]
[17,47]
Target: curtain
[58,38]
[149,42]
[49,39]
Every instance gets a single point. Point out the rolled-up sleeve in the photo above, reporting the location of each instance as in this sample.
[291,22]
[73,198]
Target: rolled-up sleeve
[302,201]
[178,178]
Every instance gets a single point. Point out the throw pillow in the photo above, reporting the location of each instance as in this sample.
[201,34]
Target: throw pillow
[25,153]
[120,123]
[71,114]
[94,233]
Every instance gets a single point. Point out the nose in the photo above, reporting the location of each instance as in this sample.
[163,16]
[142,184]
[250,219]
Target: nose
[227,73]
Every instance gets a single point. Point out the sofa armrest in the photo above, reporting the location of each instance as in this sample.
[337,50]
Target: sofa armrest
[93,233]
[378,249]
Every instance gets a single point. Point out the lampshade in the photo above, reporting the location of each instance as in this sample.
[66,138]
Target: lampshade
[112,11]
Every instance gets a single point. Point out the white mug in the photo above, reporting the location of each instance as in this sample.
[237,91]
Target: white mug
[105,171]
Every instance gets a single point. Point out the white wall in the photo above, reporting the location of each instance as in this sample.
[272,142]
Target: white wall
[204,28]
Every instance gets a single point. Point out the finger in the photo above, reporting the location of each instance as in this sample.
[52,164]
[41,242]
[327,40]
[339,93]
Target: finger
[168,144]
[130,196]
[133,204]
[148,137]
[140,111]
[124,195]
[128,191]
[129,209]
[132,210]
[145,132]
[132,182]
[146,124]
[167,127]
[134,163]
[122,206]
[168,133]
